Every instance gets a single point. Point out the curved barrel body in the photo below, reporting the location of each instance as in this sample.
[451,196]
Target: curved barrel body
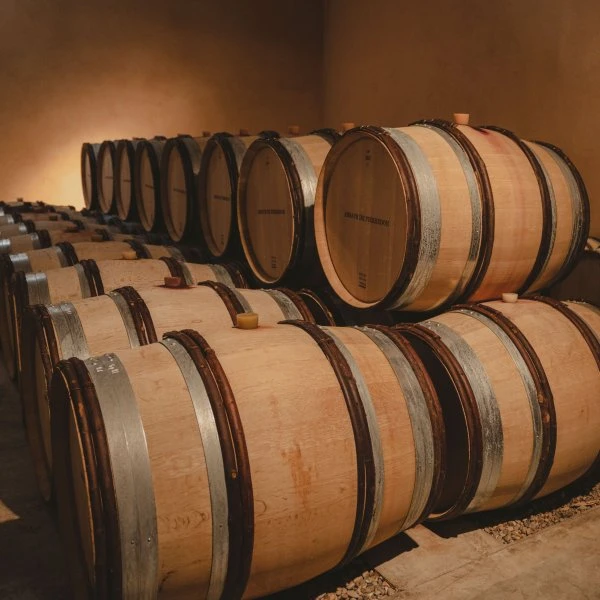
[124,318]
[519,389]
[225,433]
[416,218]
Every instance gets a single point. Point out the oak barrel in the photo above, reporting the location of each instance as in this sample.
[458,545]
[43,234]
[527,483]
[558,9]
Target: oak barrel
[124,318]
[327,309]
[125,183]
[419,217]
[44,239]
[146,178]
[276,194]
[62,255]
[106,177]
[225,433]
[519,387]
[180,165]
[217,190]
[89,174]
[90,278]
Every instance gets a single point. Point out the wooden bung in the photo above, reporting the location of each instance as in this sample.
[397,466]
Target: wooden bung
[510,297]
[173,282]
[247,320]
[244,132]
[206,134]
[294,130]
[347,126]
[461,118]
[129,255]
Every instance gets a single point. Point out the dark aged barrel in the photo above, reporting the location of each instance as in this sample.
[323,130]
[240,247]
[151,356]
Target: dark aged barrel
[89,174]
[125,184]
[418,217]
[106,177]
[519,389]
[276,194]
[582,283]
[237,414]
[146,177]
[180,165]
[217,191]
[124,318]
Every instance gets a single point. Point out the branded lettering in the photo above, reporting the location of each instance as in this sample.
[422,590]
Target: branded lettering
[366,219]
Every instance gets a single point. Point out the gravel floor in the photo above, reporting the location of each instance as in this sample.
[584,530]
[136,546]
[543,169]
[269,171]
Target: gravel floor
[512,525]
[368,585]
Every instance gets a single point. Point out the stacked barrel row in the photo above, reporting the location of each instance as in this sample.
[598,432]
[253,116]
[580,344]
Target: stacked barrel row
[187,455]
[190,456]
[412,218]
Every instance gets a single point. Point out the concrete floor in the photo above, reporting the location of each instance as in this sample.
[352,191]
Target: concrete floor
[454,560]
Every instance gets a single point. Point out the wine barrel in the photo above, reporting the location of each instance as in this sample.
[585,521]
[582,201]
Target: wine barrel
[519,389]
[124,318]
[179,168]
[28,226]
[125,200]
[106,177]
[217,190]
[146,179]
[327,309]
[582,283]
[89,174]
[593,244]
[271,504]
[416,218]
[275,202]
[44,239]
[56,257]
[90,278]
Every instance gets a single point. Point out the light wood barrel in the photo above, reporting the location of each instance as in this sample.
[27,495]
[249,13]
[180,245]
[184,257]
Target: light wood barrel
[225,432]
[90,278]
[146,178]
[519,388]
[125,183]
[327,309]
[276,194]
[582,283]
[126,318]
[89,174]
[217,191]
[59,256]
[180,165]
[106,177]
[415,218]
[44,239]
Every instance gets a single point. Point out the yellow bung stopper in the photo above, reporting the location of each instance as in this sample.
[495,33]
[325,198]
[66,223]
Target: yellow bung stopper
[247,320]
[129,255]
[511,298]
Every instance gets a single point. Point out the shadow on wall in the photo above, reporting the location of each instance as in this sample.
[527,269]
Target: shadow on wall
[75,72]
